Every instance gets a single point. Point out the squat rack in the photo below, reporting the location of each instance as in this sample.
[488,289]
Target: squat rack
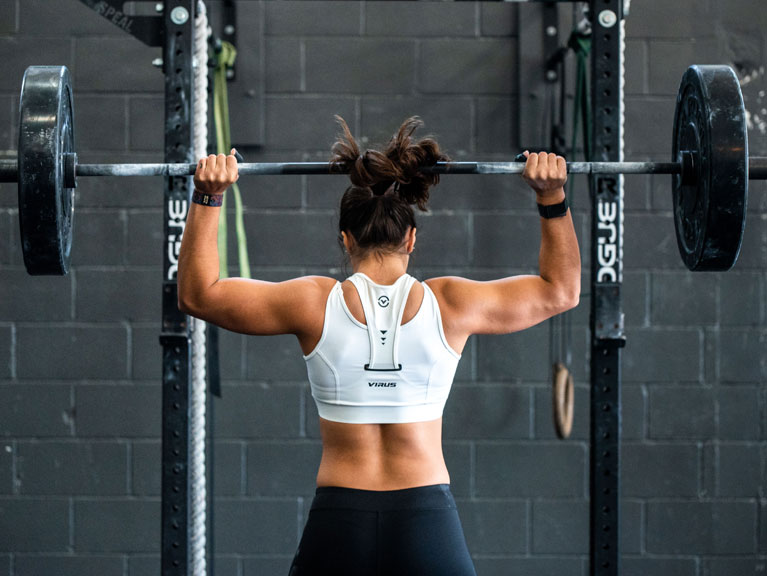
[175,35]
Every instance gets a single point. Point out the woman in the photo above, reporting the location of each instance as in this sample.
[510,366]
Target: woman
[381,350]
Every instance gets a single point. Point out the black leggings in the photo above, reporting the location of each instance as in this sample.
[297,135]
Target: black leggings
[412,532]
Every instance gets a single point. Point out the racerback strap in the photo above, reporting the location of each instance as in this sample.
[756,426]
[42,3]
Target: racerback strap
[383,307]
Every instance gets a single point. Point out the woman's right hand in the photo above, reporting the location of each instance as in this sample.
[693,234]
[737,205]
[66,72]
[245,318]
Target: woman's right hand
[215,174]
[545,173]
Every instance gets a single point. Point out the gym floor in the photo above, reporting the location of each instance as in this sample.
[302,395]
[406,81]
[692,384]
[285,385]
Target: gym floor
[80,360]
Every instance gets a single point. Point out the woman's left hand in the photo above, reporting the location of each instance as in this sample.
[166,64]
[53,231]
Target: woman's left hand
[216,173]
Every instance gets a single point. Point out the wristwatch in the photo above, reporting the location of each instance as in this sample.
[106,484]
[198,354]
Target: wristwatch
[553,210]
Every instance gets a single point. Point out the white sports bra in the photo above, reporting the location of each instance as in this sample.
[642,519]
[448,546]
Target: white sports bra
[383,372]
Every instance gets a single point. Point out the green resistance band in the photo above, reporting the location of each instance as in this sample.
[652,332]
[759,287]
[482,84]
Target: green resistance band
[225,58]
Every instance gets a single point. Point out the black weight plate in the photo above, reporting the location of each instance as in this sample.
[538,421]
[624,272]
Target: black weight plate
[46,205]
[710,207]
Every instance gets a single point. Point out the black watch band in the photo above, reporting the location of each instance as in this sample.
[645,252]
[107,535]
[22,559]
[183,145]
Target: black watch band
[554,210]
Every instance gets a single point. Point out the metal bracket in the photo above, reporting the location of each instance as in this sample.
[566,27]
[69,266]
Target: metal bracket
[148,29]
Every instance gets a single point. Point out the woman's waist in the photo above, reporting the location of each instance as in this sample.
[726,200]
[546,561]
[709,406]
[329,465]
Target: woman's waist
[382,456]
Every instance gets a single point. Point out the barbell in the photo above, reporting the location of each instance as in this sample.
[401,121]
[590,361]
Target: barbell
[710,168]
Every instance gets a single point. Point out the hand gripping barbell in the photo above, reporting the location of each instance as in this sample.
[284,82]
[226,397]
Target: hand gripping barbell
[710,168]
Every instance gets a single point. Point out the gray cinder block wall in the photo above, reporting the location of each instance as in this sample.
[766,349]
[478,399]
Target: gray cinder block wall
[80,359]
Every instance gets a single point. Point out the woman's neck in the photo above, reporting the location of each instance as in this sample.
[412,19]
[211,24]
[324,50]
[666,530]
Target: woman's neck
[380,268]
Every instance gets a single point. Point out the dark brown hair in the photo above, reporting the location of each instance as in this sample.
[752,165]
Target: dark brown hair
[377,208]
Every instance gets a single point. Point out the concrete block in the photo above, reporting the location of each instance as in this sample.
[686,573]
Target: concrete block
[258,566]
[669,21]
[634,412]
[69,469]
[689,528]
[229,473]
[133,411]
[643,137]
[256,526]
[343,65]
[232,354]
[636,303]
[739,413]
[447,120]
[509,357]
[144,242]
[39,18]
[675,353]
[637,67]
[98,238]
[283,64]
[31,525]
[262,411]
[51,52]
[740,300]
[530,566]
[6,469]
[9,21]
[93,114]
[494,527]
[146,352]
[497,125]
[419,20]
[742,355]
[73,352]
[7,352]
[296,18]
[35,298]
[442,240]
[285,191]
[146,468]
[740,471]
[632,527]
[762,526]
[560,527]
[7,117]
[733,566]
[658,566]
[7,244]
[470,193]
[683,299]
[94,75]
[143,565]
[275,358]
[310,242]
[458,459]
[282,469]
[35,411]
[458,66]
[659,470]
[681,413]
[139,522]
[530,470]
[68,565]
[670,58]
[113,295]
[650,243]
[509,241]
[488,412]
[753,252]
[498,19]
[146,126]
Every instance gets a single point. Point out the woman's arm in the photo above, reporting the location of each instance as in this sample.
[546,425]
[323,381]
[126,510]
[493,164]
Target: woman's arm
[515,303]
[237,304]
